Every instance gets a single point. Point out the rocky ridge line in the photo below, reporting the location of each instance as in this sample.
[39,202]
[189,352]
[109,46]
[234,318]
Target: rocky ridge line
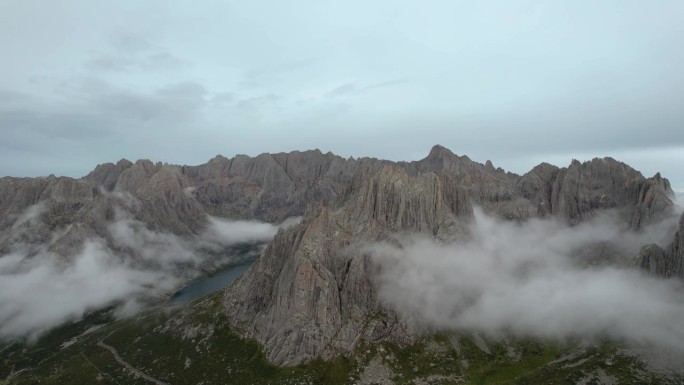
[311,294]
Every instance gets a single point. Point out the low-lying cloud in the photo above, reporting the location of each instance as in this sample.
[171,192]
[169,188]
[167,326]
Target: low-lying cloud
[540,279]
[39,293]
[40,289]
[223,232]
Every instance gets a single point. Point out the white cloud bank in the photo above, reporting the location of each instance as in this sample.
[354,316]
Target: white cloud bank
[531,280]
[41,291]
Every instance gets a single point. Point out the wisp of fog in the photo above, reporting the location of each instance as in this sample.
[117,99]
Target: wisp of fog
[41,290]
[536,279]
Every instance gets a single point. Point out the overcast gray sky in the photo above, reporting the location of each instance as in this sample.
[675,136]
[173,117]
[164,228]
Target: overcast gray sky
[84,82]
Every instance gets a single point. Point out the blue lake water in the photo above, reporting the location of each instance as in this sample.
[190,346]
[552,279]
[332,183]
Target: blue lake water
[207,285]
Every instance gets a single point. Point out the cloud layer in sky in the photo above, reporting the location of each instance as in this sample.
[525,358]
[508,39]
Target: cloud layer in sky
[535,279]
[517,82]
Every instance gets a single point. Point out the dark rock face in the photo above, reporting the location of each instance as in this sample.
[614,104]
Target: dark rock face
[106,175]
[582,189]
[574,193]
[54,203]
[652,258]
[309,296]
[269,187]
[312,295]
[176,198]
[485,185]
[76,209]
[273,187]
[165,203]
[676,251]
[665,263]
[599,184]
[654,201]
[170,198]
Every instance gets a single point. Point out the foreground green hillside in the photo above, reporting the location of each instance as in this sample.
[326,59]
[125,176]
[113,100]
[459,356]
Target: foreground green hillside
[192,345]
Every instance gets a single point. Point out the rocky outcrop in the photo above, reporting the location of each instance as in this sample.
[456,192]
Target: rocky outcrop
[580,191]
[106,175]
[164,202]
[486,185]
[654,202]
[312,295]
[574,193]
[582,188]
[60,194]
[272,187]
[652,258]
[168,198]
[33,209]
[269,187]
[676,250]
[668,262]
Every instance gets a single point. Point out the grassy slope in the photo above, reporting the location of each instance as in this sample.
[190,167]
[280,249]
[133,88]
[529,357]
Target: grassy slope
[226,359]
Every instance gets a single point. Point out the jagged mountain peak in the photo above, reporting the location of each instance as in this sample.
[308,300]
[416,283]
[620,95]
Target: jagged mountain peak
[272,187]
[439,150]
[311,293]
[308,296]
[439,153]
[219,159]
[123,162]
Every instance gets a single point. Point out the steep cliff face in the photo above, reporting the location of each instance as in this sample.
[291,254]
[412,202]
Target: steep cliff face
[269,187]
[166,198]
[676,250]
[312,295]
[165,203]
[60,195]
[32,209]
[107,175]
[160,191]
[654,202]
[575,193]
[274,187]
[486,185]
[40,212]
[583,189]
[668,262]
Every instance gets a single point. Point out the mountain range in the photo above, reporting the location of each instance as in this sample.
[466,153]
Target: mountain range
[320,290]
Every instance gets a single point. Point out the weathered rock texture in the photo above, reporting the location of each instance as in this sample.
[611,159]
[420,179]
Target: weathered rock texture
[269,187]
[575,193]
[311,293]
[166,197]
[582,189]
[274,187]
[668,262]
